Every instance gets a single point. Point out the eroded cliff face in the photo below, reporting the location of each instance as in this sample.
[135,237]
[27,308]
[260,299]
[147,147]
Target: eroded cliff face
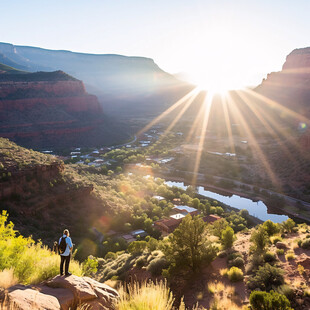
[291,89]
[53,112]
[290,86]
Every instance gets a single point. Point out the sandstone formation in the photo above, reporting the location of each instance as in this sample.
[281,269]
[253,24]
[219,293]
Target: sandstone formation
[61,293]
[290,87]
[125,86]
[49,109]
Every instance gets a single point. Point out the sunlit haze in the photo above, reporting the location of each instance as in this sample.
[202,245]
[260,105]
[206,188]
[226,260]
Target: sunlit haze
[216,44]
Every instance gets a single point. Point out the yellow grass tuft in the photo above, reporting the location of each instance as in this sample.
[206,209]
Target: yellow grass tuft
[223,272]
[215,288]
[145,296]
[7,278]
[224,303]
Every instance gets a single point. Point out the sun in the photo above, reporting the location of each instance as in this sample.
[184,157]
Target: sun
[215,82]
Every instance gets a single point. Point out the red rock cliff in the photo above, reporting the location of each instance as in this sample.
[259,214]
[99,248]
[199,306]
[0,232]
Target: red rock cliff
[55,111]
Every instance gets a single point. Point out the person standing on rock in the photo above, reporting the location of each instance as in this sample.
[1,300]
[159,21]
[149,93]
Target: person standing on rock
[65,248]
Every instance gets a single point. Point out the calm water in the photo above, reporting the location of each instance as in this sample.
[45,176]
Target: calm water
[255,208]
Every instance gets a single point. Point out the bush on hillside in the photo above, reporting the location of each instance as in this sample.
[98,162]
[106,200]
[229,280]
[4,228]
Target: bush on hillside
[89,266]
[30,262]
[288,225]
[271,228]
[266,278]
[305,244]
[228,237]
[269,257]
[235,274]
[157,265]
[237,262]
[260,240]
[269,301]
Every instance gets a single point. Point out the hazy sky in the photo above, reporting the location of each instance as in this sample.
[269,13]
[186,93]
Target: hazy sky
[235,40]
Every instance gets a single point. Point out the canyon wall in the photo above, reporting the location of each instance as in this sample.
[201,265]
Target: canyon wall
[49,110]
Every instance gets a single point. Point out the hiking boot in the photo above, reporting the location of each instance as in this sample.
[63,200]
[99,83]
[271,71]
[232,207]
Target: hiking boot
[68,274]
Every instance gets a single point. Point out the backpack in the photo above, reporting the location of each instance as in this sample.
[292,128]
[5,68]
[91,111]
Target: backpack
[62,245]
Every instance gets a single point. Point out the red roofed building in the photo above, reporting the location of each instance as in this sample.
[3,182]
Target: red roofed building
[167,226]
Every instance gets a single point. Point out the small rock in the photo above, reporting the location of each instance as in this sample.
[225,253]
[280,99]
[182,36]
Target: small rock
[281,245]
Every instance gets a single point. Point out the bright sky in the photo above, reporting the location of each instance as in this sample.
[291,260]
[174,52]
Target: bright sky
[230,42]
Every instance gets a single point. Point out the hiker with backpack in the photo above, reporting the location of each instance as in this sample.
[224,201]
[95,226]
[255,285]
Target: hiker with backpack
[64,249]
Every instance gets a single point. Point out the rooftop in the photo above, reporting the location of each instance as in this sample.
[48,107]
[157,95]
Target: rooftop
[177,216]
[185,208]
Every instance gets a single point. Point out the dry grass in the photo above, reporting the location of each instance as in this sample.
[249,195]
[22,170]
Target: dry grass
[145,296]
[290,255]
[214,288]
[223,272]
[225,303]
[7,278]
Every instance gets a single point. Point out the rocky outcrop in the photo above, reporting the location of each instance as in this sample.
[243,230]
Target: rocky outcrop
[61,293]
[290,86]
[50,109]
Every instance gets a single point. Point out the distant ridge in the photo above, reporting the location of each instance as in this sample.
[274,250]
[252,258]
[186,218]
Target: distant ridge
[52,109]
[125,86]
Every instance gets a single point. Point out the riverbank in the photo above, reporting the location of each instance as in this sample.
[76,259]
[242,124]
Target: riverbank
[246,195]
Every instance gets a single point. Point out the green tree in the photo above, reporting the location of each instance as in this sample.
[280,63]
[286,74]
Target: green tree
[188,247]
[228,237]
[271,228]
[137,247]
[260,240]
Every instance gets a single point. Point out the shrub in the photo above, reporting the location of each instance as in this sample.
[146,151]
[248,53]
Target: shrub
[259,239]
[290,255]
[137,247]
[235,274]
[269,301]
[234,255]
[237,262]
[271,228]
[157,265]
[276,239]
[140,262]
[288,225]
[90,265]
[31,263]
[269,257]
[305,244]
[280,251]
[285,290]
[301,269]
[266,277]
[110,255]
[228,237]
[222,254]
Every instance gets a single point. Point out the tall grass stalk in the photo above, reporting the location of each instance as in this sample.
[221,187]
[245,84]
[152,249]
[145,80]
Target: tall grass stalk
[145,296]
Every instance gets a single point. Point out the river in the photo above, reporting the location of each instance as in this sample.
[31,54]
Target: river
[255,208]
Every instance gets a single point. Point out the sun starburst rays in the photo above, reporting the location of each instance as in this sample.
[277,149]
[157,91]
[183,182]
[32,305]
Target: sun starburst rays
[207,103]
[256,147]
[248,112]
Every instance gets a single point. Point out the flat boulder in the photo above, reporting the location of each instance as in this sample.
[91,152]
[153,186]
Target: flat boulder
[60,293]
[27,298]
[81,290]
